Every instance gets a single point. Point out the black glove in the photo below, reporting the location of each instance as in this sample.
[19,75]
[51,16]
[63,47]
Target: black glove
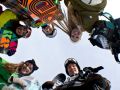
[47,85]
[11,52]
[88,69]
[95,70]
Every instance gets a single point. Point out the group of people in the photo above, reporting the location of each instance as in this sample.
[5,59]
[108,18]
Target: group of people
[86,79]
[11,29]
[12,73]
[82,15]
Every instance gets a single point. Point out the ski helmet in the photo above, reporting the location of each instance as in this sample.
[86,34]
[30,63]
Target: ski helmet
[53,34]
[50,35]
[69,61]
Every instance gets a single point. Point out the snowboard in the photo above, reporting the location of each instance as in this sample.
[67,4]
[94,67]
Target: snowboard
[40,11]
[56,81]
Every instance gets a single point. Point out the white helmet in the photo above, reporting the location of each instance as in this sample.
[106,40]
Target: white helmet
[69,61]
[53,34]
[50,34]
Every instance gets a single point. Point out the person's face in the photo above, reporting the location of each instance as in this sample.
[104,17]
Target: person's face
[75,35]
[48,30]
[72,69]
[26,68]
[21,31]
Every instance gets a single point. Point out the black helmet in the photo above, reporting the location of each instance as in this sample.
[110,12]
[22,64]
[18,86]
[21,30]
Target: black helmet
[69,61]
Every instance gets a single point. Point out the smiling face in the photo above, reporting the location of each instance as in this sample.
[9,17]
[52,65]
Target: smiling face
[72,69]
[48,30]
[75,35]
[21,31]
[26,68]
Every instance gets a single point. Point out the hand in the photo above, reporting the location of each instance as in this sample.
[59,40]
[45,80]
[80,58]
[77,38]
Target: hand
[98,68]
[88,69]
[11,52]
[19,81]
[48,85]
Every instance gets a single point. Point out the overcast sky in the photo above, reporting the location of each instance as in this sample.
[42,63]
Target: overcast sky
[50,53]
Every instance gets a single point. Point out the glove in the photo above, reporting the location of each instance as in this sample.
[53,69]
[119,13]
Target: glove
[12,48]
[48,85]
[98,68]
[88,69]
[11,52]
[94,70]
[19,81]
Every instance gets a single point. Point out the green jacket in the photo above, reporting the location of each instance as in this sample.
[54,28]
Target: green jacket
[4,74]
[86,15]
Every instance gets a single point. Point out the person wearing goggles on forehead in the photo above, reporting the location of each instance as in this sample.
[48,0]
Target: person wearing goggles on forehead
[49,31]
[29,21]
[85,79]
[11,73]
[82,14]
[71,66]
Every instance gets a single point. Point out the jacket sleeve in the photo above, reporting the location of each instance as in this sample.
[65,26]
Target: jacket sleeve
[2,61]
[12,48]
[4,74]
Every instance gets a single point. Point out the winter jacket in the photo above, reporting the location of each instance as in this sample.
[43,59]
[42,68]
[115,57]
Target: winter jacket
[86,14]
[4,74]
[8,42]
[8,39]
